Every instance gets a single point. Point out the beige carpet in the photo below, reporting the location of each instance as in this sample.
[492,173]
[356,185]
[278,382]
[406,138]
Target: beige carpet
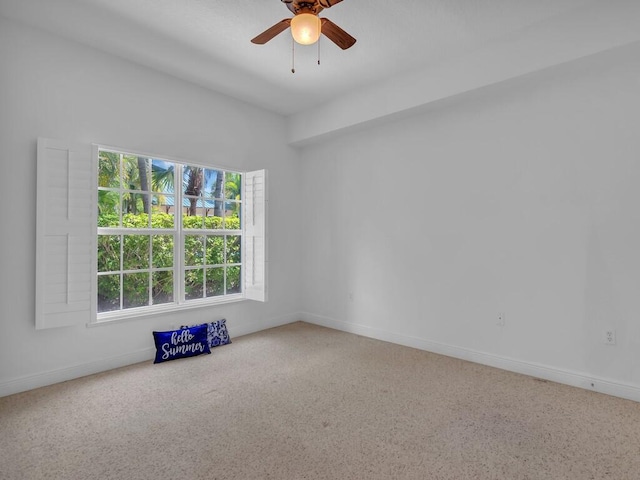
[304,402]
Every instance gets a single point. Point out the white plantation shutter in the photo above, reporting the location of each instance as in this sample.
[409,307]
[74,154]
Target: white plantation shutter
[255,259]
[65,225]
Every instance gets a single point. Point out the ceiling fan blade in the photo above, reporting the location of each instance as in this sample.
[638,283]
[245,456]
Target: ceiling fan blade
[336,34]
[328,3]
[271,32]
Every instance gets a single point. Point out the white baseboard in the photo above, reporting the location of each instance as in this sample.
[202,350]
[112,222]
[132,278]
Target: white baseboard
[566,377]
[545,372]
[29,382]
[43,379]
[258,326]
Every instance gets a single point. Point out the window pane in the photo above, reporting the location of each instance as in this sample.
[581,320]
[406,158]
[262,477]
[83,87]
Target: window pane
[136,172]
[162,287]
[108,253]
[192,180]
[109,169]
[143,204]
[135,252]
[232,216]
[233,249]
[162,211]
[233,280]
[108,293]
[193,250]
[212,214]
[214,220]
[209,209]
[215,250]
[136,210]
[162,251]
[192,212]
[108,209]
[193,284]
[215,282]
[162,176]
[214,180]
[233,186]
[135,290]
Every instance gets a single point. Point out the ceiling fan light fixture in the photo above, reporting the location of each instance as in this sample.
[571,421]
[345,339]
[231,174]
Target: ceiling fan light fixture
[306,28]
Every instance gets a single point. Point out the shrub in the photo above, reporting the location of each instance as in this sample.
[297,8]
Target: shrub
[200,250]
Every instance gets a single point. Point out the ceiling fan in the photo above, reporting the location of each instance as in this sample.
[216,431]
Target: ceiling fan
[306,26]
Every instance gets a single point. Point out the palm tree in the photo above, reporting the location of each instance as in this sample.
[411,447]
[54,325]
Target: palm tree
[232,189]
[193,187]
[217,193]
[162,180]
[130,179]
[108,177]
[144,184]
[132,172]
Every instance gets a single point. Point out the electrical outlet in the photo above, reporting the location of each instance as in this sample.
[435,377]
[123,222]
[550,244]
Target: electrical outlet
[501,319]
[610,337]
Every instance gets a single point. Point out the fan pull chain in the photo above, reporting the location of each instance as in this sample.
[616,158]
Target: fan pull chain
[293,55]
[319,51]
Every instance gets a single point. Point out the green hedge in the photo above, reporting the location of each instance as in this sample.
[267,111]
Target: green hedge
[200,251]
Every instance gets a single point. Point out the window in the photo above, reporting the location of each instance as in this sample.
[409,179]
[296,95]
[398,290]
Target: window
[161,234]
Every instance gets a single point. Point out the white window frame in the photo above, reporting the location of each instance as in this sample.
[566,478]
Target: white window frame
[57,303]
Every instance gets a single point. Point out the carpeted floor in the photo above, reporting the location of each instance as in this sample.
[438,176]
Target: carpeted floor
[305,402]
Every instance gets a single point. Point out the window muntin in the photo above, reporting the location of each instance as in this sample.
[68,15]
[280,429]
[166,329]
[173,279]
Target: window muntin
[151,253]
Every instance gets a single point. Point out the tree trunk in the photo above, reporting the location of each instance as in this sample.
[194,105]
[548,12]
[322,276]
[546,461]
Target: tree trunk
[144,184]
[217,193]
[194,187]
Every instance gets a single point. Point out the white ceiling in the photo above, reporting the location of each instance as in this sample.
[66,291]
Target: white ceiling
[208,41]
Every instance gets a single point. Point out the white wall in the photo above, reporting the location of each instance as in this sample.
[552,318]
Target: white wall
[53,88]
[520,198]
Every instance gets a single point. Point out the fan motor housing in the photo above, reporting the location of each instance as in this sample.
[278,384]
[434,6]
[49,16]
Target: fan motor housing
[304,7]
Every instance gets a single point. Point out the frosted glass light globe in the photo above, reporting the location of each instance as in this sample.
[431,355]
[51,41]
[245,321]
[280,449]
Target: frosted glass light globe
[306,28]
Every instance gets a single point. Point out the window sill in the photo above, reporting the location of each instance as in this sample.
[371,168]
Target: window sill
[109,318]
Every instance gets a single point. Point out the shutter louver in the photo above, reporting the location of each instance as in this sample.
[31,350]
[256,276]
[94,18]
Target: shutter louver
[255,260]
[64,234]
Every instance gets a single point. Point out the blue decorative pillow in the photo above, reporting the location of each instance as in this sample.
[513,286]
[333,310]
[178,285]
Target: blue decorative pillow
[217,333]
[186,342]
